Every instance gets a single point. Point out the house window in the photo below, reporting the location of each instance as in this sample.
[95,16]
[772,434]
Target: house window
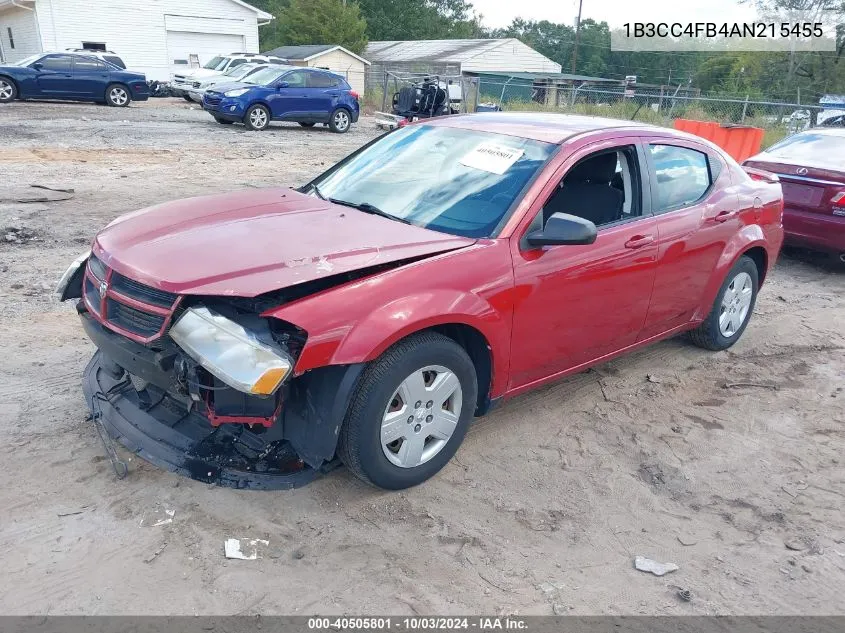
[94,46]
[11,38]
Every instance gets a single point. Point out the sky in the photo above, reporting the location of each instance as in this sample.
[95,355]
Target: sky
[499,13]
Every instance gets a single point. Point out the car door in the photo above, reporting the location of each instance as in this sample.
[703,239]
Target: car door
[324,92]
[54,76]
[90,78]
[697,211]
[576,304]
[289,101]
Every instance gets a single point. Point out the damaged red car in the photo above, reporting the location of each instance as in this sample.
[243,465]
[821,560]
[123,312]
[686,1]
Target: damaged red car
[258,338]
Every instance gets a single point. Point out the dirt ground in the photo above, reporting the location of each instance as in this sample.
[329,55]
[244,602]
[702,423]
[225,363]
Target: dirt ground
[543,510]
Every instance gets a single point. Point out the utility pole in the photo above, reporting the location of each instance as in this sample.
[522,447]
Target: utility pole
[577,36]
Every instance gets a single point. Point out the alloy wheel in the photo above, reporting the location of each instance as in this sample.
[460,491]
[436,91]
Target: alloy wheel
[258,118]
[341,120]
[6,90]
[736,303]
[421,416]
[118,96]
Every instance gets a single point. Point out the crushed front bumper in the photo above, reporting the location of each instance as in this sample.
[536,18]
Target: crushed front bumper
[185,442]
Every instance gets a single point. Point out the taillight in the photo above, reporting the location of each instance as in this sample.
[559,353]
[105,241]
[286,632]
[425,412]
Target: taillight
[353,94]
[839,200]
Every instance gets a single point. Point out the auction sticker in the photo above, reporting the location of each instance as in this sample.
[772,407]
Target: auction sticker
[493,158]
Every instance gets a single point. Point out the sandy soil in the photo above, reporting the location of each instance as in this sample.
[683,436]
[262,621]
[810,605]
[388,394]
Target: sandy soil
[545,507]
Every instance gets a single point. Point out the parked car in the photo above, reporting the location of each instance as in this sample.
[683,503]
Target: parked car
[182,83]
[253,338]
[107,56]
[285,93]
[71,76]
[837,120]
[236,73]
[811,169]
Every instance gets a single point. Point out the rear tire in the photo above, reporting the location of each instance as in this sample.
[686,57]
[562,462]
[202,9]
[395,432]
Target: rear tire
[8,90]
[340,121]
[117,96]
[257,118]
[731,310]
[426,378]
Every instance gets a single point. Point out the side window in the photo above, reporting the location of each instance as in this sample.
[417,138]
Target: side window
[295,79]
[237,62]
[322,80]
[683,176]
[81,65]
[57,63]
[603,188]
[114,59]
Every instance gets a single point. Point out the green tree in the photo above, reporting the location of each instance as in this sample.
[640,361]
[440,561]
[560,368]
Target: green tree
[314,22]
[420,19]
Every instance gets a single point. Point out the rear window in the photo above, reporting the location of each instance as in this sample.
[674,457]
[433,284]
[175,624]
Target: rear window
[682,175]
[811,148]
[114,59]
[322,80]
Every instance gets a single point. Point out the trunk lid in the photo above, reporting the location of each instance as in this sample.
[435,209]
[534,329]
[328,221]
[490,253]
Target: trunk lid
[250,242]
[805,187]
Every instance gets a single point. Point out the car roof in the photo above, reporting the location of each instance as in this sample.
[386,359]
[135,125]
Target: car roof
[548,127]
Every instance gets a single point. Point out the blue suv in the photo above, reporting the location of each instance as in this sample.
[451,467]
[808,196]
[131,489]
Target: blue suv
[71,76]
[285,93]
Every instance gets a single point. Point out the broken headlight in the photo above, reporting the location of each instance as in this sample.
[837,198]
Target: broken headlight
[230,352]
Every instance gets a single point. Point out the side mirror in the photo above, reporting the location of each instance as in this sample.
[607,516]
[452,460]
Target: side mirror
[282,84]
[563,228]
[38,65]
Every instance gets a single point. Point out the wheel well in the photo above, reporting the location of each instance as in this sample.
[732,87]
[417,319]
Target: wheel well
[14,83]
[478,349]
[760,258]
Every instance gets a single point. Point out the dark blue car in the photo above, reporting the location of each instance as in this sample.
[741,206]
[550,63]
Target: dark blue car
[71,76]
[285,93]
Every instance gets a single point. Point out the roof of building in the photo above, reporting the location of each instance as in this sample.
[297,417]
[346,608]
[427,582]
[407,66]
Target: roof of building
[306,52]
[549,76]
[543,126]
[262,15]
[431,50]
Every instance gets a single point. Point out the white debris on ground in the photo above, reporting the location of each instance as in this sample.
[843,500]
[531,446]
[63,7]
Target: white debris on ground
[244,548]
[658,569]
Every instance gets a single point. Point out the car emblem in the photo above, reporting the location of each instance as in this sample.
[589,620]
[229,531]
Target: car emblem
[103,289]
[801,171]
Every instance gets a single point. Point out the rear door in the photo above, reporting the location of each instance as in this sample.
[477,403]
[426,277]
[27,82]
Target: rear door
[324,91]
[697,210]
[55,76]
[90,77]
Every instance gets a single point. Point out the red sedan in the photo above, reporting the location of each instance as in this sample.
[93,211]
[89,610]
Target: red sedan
[811,169]
[257,338]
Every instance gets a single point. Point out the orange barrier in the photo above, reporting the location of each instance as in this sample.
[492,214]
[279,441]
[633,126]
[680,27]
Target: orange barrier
[740,141]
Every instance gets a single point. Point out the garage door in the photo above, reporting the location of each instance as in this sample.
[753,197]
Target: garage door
[186,49]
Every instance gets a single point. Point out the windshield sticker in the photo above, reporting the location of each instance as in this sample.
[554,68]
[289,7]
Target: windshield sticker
[493,158]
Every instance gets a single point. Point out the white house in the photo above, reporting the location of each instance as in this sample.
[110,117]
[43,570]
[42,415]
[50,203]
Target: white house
[156,37]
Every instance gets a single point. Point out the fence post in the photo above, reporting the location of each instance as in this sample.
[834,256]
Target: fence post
[384,92]
[477,82]
[744,109]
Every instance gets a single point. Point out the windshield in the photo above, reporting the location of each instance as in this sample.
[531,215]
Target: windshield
[239,71]
[266,77]
[27,60]
[216,63]
[451,180]
[824,149]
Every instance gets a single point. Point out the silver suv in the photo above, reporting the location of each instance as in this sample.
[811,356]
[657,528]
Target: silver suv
[106,56]
[183,83]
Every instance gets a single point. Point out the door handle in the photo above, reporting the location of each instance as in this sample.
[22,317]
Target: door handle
[638,241]
[724,216]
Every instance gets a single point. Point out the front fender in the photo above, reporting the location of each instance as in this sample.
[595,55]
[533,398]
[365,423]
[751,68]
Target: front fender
[750,236]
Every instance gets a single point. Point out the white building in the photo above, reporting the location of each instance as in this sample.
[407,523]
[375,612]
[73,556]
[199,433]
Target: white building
[156,37]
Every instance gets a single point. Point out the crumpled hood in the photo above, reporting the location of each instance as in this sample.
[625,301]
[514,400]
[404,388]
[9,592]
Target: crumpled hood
[254,241]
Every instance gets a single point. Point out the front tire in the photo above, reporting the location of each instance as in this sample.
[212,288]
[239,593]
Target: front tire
[732,308]
[8,90]
[117,96]
[340,121]
[257,118]
[410,412]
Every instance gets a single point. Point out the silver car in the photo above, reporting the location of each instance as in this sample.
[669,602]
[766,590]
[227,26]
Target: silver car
[238,73]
